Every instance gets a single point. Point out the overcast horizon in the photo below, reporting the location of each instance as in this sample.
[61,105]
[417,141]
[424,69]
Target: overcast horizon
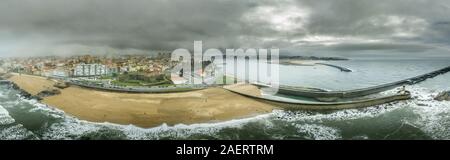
[355,28]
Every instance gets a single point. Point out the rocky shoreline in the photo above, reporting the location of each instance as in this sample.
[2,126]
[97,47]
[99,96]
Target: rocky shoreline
[23,93]
[443,96]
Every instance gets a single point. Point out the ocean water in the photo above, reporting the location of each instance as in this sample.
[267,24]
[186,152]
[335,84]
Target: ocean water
[418,118]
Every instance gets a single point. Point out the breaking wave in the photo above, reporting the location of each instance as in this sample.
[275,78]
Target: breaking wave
[5,118]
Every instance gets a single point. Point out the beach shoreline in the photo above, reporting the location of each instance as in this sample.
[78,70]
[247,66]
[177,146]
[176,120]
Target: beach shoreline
[145,110]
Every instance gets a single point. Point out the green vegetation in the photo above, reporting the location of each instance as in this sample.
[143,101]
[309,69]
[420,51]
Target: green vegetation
[228,80]
[119,83]
[140,83]
[106,77]
[136,79]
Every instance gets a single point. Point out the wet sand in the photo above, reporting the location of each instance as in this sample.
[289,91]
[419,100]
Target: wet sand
[147,110]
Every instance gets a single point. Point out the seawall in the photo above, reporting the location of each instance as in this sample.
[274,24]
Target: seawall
[327,105]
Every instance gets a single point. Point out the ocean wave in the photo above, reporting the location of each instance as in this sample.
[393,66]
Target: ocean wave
[318,132]
[3,95]
[182,131]
[72,128]
[5,118]
[43,108]
[16,132]
[69,129]
[434,116]
[339,115]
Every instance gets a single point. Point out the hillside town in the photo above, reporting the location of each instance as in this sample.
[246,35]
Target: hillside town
[90,66]
[123,72]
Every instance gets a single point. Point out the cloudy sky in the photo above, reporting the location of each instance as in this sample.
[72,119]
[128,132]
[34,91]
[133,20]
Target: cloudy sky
[305,27]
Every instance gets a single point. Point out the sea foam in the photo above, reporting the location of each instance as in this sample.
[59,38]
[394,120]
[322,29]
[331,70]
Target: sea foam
[5,118]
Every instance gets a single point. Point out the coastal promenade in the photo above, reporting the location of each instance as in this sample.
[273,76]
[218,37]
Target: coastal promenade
[156,89]
[99,85]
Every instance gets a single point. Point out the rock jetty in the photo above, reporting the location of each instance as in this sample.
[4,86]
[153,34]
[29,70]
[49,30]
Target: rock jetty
[443,96]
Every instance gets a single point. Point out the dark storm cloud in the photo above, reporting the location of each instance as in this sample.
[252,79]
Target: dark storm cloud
[373,18]
[39,26]
[412,26]
[137,24]
[381,46]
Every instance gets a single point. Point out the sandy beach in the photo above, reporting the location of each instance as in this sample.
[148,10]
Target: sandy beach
[147,110]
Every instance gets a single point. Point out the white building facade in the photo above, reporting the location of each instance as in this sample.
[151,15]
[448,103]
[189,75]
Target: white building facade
[88,70]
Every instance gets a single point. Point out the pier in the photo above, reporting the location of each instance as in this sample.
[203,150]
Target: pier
[343,69]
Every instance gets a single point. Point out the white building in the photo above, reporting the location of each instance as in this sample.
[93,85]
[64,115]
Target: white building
[88,70]
[55,73]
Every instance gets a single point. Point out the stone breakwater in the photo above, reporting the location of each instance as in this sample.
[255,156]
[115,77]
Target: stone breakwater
[443,96]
